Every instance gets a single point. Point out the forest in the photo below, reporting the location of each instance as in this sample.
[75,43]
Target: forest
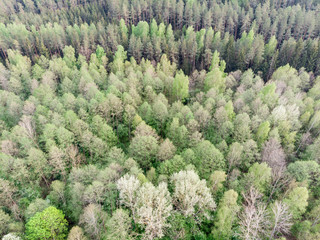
[159,119]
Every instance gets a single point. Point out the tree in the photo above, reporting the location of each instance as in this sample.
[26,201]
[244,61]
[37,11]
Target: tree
[250,153]
[144,150]
[171,166]
[5,221]
[48,224]
[262,132]
[11,236]
[226,215]
[38,205]
[180,87]
[259,176]
[57,161]
[93,220]
[8,196]
[254,218]
[242,130]
[166,150]
[150,205]
[177,134]
[208,158]
[304,170]
[153,207]
[281,219]
[76,233]
[119,58]
[216,180]
[128,186]
[38,164]
[274,156]
[191,196]
[119,226]
[57,193]
[69,56]
[160,113]
[234,155]
[297,201]
[216,77]
[268,94]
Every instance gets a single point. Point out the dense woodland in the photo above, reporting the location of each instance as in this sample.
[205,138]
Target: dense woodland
[160,119]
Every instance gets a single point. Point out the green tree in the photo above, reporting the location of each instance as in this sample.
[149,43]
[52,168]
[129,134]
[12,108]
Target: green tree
[38,205]
[297,201]
[48,224]
[259,176]
[119,226]
[180,88]
[226,215]
[118,61]
[208,158]
[262,132]
[144,150]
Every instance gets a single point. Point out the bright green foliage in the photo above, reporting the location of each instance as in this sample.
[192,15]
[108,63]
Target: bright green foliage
[119,58]
[104,131]
[262,132]
[268,95]
[215,79]
[69,56]
[230,110]
[260,176]
[180,87]
[217,63]
[297,201]
[48,224]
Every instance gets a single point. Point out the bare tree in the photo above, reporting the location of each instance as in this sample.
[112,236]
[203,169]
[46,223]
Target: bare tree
[74,155]
[93,220]
[128,186]
[27,124]
[7,197]
[57,161]
[150,205]
[152,209]
[281,217]
[274,156]
[306,140]
[254,219]
[76,233]
[8,147]
[191,195]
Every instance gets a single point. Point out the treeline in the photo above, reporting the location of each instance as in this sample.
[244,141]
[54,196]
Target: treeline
[283,31]
[188,48]
[282,18]
[137,151]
